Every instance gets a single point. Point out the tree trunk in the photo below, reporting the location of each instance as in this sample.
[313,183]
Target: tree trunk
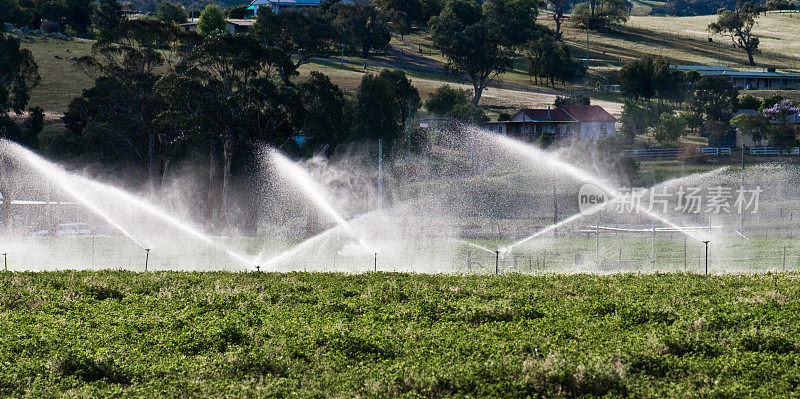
[227,158]
[5,208]
[478,92]
[213,177]
[284,74]
[151,160]
[750,60]
[557,19]
[162,158]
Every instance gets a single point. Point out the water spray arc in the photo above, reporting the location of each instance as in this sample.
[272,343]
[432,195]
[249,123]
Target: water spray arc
[294,174]
[71,183]
[538,155]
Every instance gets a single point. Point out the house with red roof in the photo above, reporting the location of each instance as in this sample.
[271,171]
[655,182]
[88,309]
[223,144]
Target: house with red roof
[579,121]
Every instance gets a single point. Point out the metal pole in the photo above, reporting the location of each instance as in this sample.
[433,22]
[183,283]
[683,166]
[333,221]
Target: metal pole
[653,250]
[376,262]
[555,207]
[496,262]
[380,173]
[784,258]
[741,214]
[146,258]
[5,263]
[684,253]
[408,131]
[597,242]
[587,48]
[706,242]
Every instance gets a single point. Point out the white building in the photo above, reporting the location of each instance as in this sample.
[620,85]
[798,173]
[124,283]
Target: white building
[277,5]
[581,121]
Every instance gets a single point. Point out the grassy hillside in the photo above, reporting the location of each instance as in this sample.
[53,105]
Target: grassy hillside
[85,334]
[682,39]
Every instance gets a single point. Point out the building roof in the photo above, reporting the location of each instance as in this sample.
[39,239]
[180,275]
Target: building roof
[545,115]
[588,113]
[747,74]
[702,68]
[289,3]
[718,70]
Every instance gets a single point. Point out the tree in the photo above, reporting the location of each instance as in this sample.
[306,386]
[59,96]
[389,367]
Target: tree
[377,113]
[650,76]
[445,98]
[549,58]
[638,117]
[73,15]
[756,126]
[18,76]
[404,14]
[211,20]
[715,98]
[360,26]
[749,102]
[302,35]
[559,8]
[170,12]
[479,41]
[223,99]
[324,104]
[738,24]
[781,134]
[600,15]
[572,100]
[669,129]
[115,117]
[406,96]
[107,17]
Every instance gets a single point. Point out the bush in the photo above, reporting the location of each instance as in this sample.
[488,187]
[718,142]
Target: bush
[445,98]
[211,19]
[572,100]
[170,12]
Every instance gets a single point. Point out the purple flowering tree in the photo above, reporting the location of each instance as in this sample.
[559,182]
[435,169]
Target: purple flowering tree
[781,133]
[781,111]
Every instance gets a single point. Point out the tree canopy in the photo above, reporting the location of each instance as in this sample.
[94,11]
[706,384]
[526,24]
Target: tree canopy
[479,40]
[212,19]
[738,25]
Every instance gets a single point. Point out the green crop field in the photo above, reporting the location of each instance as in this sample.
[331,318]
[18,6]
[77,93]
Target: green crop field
[83,334]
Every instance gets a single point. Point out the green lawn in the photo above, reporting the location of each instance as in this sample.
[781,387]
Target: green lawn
[84,334]
[61,80]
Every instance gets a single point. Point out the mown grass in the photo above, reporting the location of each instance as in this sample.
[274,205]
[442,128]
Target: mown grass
[377,335]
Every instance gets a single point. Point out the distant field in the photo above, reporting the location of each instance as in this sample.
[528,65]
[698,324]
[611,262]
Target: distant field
[61,81]
[685,40]
[682,39]
[779,33]
[100,334]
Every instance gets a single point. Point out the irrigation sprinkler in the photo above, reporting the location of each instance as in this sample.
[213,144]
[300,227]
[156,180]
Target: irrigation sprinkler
[146,258]
[706,242]
[496,262]
[784,258]
[258,268]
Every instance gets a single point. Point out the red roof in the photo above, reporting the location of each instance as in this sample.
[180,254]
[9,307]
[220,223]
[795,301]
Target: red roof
[588,113]
[545,115]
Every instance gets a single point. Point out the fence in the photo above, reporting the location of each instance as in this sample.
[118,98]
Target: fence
[672,152]
[772,151]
